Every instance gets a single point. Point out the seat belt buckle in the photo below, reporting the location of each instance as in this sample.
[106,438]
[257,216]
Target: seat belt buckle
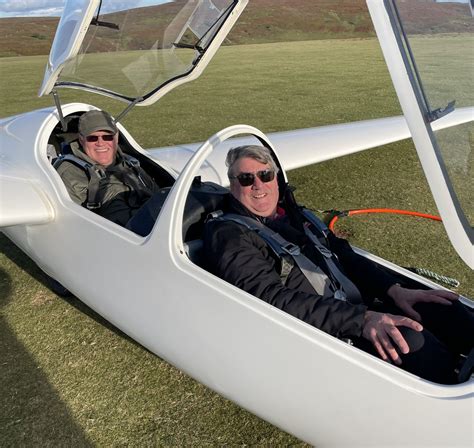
[340,295]
[467,369]
[215,215]
[347,341]
[291,249]
[325,251]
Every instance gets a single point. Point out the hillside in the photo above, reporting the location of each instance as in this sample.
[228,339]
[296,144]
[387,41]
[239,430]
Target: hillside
[262,21]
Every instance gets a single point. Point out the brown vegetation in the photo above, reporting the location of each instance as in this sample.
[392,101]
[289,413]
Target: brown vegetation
[26,36]
[262,21]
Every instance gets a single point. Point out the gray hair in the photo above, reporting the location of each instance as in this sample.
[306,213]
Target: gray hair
[258,153]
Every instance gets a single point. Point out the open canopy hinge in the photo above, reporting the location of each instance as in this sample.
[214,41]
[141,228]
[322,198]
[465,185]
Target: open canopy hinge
[59,109]
[436,114]
[96,22]
[128,109]
[111,25]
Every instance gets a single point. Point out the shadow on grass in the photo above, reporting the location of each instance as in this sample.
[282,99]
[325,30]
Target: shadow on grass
[29,402]
[17,256]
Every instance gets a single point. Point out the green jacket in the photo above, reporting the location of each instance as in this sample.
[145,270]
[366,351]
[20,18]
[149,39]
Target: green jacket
[122,188]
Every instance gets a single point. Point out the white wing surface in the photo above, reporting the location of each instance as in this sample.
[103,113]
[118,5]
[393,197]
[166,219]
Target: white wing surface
[308,146]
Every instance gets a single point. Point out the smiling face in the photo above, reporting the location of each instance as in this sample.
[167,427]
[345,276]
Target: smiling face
[260,198]
[100,151]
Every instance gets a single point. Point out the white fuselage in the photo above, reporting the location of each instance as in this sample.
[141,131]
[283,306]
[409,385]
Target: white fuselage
[241,347]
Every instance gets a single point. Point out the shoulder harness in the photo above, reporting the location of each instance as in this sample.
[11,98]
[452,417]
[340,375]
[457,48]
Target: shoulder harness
[336,284]
[95,174]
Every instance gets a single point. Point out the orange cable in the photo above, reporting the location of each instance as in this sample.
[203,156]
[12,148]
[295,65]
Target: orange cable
[380,210]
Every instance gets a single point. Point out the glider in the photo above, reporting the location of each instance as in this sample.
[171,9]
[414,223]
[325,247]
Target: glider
[239,346]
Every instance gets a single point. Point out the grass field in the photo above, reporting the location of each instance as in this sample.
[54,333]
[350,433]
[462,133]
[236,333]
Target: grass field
[70,379]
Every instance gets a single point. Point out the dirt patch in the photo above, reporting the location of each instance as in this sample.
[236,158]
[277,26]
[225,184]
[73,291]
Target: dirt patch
[41,298]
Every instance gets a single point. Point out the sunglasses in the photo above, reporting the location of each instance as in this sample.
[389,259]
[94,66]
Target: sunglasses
[94,138]
[247,179]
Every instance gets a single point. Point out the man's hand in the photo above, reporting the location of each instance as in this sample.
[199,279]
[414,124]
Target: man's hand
[405,298]
[381,330]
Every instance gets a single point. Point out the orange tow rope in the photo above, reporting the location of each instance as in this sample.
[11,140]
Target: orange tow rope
[361,211]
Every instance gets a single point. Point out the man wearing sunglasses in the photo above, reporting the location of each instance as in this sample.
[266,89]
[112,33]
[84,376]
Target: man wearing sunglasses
[99,176]
[272,248]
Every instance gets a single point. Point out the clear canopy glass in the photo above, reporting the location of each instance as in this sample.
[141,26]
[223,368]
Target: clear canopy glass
[440,36]
[132,51]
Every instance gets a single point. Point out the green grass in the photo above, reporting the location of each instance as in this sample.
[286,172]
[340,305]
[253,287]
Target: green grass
[437,63]
[70,379]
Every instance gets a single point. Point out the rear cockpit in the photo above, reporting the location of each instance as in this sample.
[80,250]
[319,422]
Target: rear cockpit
[204,197]
[60,141]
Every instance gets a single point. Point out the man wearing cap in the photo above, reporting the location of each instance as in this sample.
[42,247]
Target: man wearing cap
[99,176]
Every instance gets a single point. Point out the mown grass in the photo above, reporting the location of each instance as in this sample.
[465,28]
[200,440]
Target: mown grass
[454,59]
[70,379]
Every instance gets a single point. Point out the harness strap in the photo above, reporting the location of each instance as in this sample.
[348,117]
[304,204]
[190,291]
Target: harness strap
[94,174]
[134,163]
[345,284]
[319,225]
[320,282]
[467,369]
[133,179]
[315,275]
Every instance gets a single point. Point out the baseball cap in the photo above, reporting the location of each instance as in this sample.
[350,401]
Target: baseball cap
[96,120]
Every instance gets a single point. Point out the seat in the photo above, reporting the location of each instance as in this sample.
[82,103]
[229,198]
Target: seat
[203,198]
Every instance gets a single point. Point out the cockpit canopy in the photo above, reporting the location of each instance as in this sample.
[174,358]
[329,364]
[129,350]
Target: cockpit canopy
[137,50]
[432,73]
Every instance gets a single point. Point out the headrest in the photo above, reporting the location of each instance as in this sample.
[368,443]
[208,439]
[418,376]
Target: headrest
[203,198]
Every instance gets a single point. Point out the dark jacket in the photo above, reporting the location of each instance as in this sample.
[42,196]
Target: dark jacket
[241,257]
[122,191]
